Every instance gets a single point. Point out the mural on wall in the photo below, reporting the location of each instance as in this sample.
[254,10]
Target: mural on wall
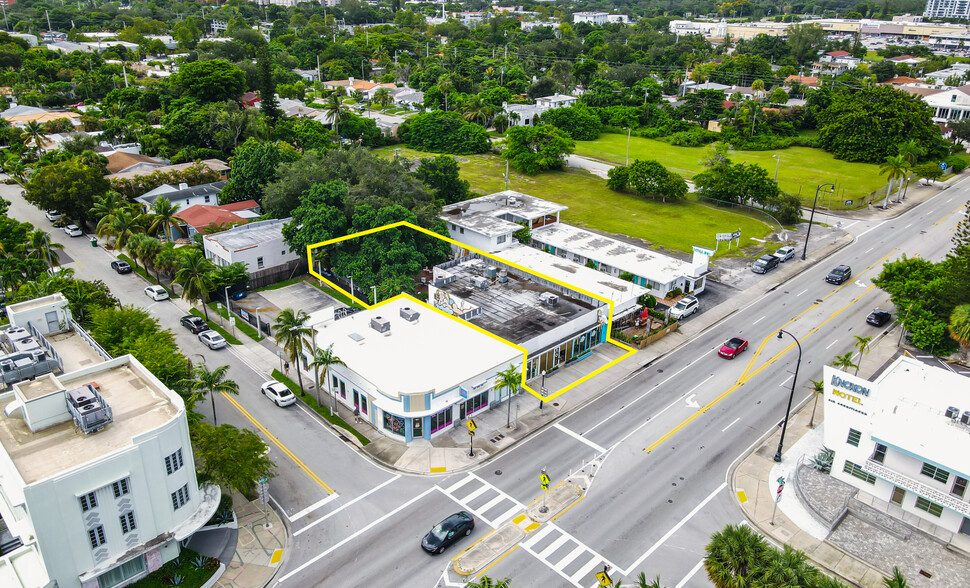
[452,305]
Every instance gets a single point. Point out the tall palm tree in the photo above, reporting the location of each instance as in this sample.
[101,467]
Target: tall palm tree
[133,247]
[446,86]
[168,259]
[209,383]
[911,151]
[844,361]
[195,276]
[894,167]
[959,328]
[734,555]
[122,224]
[148,250]
[292,332]
[818,388]
[486,582]
[34,132]
[106,204]
[510,380]
[334,107]
[325,358]
[643,583]
[163,217]
[39,246]
[862,346]
[383,97]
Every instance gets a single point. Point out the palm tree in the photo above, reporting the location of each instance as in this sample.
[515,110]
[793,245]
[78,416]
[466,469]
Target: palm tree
[445,85]
[148,250]
[325,358]
[474,109]
[133,247]
[843,362]
[163,217]
[383,97]
[643,583]
[733,556]
[209,383]
[509,379]
[34,133]
[122,224]
[39,246]
[897,581]
[486,582]
[195,277]
[292,333]
[895,167]
[818,388]
[106,204]
[959,328]
[168,259]
[911,151]
[334,107]
[862,346]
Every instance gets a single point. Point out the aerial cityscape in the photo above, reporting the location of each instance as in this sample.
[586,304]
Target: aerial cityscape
[484,294]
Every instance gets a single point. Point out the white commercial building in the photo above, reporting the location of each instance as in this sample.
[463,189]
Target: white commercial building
[593,18]
[951,104]
[413,372]
[258,245]
[947,9]
[97,475]
[902,439]
[488,222]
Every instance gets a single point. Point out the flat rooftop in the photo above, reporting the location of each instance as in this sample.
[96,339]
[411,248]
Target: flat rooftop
[909,406]
[512,310]
[35,303]
[251,235]
[74,351]
[138,406]
[485,214]
[572,273]
[433,354]
[630,258]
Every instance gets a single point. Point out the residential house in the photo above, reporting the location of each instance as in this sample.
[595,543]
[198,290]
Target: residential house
[216,165]
[951,104]
[593,18]
[410,99]
[473,19]
[368,89]
[526,114]
[308,75]
[123,161]
[810,81]
[958,70]
[556,101]
[260,246]
[204,218]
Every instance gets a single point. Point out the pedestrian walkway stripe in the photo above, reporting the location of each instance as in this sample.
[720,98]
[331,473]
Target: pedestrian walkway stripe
[272,438]
[277,556]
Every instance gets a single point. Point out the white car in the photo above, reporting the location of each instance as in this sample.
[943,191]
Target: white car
[156,293]
[73,231]
[53,215]
[212,339]
[785,253]
[685,307]
[278,393]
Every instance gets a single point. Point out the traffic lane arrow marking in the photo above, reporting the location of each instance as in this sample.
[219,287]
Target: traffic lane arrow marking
[691,403]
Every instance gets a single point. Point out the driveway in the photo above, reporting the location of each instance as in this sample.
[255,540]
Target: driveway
[298,296]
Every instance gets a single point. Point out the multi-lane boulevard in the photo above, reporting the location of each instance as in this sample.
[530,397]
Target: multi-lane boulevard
[670,433]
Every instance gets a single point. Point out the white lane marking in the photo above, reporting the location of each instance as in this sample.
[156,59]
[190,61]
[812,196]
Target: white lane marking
[689,575]
[802,292]
[871,229]
[665,409]
[729,426]
[579,437]
[843,228]
[361,497]
[785,381]
[353,536]
[832,343]
[759,320]
[908,226]
[548,527]
[638,398]
[691,403]
[673,530]
[869,249]
[311,508]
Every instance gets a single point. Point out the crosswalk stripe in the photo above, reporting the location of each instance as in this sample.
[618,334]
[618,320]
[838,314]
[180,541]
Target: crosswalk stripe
[561,564]
[539,536]
[508,513]
[474,495]
[552,548]
[484,508]
[460,483]
[587,568]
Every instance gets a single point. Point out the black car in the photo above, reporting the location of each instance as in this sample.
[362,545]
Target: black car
[122,267]
[839,275]
[194,323]
[878,317]
[447,532]
[765,264]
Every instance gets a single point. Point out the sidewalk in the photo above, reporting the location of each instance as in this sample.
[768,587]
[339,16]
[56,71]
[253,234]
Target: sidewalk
[861,548]
[259,551]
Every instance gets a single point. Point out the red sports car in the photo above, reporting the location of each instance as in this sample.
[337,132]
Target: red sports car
[733,347]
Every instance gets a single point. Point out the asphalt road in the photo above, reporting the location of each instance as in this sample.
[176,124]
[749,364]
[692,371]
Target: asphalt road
[672,431]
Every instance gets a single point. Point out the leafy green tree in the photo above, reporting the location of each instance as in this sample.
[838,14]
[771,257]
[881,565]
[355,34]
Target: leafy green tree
[734,555]
[534,149]
[739,183]
[930,171]
[702,106]
[805,40]
[486,582]
[116,328]
[148,249]
[577,122]
[292,333]
[444,132]
[234,458]
[618,178]
[318,218]
[195,276]
[441,175]
[323,360]
[959,328]
[214,80]
[69,187]
[651,177]
[160,355]
[254,165]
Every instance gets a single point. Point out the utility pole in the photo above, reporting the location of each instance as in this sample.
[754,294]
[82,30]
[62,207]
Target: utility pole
[48,20]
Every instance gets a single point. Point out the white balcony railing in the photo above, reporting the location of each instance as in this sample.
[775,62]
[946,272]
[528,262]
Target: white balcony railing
[906,483]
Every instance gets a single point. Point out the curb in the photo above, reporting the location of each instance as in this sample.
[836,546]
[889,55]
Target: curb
[286,546]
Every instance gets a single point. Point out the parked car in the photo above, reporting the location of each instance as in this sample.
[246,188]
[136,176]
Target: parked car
[685,307]
[156,293]
[194,323]
[73,231]
[212,339]
[733,347]
[122,267]
[879,317]
[278,393]
[839,275]
[765,264]
[785,253]
[53,215]
[448,531]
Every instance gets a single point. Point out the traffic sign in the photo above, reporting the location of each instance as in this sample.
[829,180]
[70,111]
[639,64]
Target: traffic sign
[943,165]
[544,480]
[471,426]
[263,491]
[604,579]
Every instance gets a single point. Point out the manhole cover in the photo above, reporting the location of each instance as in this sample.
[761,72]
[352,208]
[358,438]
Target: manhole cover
[555,404]
[660,371]
[498,472]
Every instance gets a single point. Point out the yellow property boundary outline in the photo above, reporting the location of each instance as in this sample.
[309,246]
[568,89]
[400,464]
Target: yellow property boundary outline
[525,354]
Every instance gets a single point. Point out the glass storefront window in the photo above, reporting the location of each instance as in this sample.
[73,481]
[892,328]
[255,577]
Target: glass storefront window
[441,420]
[125,571]
[473,405]
[394,424]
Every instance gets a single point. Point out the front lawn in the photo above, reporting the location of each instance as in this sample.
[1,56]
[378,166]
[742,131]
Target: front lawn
[801,169]
[675,226]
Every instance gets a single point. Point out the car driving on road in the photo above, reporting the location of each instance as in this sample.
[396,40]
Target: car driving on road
[194,323]
[442,535]
[212,339]
[733,347]
[278,393]
[839,275]
[156,293]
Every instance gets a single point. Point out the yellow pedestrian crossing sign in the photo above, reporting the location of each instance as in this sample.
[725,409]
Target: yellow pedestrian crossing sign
[604,579]
[544,481]
[471,426]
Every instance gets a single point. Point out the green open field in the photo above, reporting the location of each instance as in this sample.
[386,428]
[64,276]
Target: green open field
[801,169]
[675,226]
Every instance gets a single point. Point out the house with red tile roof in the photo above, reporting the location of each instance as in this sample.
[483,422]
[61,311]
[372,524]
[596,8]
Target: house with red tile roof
[206,218]
[812,82]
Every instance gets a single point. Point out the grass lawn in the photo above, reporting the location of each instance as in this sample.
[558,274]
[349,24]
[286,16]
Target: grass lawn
[323,410]
[801,169]
[674,226]
[241,324]
[214,325]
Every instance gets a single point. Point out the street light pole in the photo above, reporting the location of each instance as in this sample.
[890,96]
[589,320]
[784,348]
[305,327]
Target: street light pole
[777,164]
[229,311]
[629,131]
[374,290]
[784,427]
[542,388]
[812,218]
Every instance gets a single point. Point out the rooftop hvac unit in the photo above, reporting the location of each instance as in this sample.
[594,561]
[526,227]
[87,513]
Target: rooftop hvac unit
[480,282]
[6,365]
[965,419]
[91,413]
[549,299]
[512,201]
[38,354]
[490,272]
[409,314]
[503,276]
[952,412]
[380,324]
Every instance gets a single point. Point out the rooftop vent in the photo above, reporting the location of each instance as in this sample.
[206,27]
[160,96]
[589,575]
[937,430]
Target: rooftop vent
[380,324]
[480,282]
[357,338]
[965,419]
[549,299]
[952,412]
[91,413]
[490,272]
[409,314]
